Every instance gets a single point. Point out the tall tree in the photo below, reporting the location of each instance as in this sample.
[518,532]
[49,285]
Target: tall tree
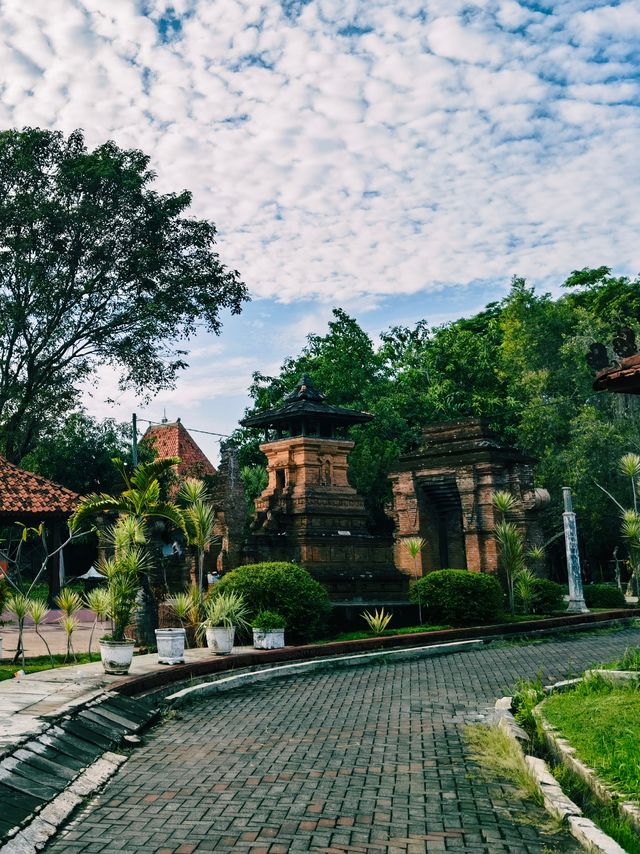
[96,267]
[79,453]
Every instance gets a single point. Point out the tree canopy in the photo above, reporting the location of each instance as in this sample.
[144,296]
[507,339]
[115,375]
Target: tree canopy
[520,362]
[96,267]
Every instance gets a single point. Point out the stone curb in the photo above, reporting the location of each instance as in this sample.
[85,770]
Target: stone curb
[36,835]
[617,677]
[565,754]
[555,801]
[240,680]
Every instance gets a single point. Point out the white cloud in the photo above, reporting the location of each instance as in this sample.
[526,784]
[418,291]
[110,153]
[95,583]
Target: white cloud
[352,150]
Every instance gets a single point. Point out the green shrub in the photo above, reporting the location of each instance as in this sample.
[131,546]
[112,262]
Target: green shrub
[285,588]
[603,596]
[267,621]
[458,597]
[547,596]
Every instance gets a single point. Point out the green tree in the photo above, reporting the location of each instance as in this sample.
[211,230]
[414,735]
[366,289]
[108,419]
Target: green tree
[140,505]
[79,453]
[96,267]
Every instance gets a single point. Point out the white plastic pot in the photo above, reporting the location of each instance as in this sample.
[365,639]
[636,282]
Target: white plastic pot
[273,639]
[116,656]
[220,639]
[170,643]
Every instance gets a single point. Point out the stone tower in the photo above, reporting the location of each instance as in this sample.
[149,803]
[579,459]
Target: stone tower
[308,512]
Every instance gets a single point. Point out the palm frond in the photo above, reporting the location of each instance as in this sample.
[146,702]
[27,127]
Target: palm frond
[92,506]
[145,473]
[192,490]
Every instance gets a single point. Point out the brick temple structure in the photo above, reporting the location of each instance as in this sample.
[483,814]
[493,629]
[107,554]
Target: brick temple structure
[309,513]
[443,494]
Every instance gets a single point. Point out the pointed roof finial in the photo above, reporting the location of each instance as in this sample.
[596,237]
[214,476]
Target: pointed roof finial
[164,416]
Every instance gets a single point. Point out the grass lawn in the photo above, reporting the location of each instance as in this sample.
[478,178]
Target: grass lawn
[603,724]
[407,630]
[43,662]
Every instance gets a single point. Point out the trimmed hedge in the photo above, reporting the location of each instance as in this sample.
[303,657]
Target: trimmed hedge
[457,597]
[547,596]
[603,596]
[285,588]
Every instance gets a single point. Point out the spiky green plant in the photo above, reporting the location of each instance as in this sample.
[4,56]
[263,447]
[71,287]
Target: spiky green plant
[415,545]
[503,501]
[68,601]
[97,600]
[200,519]
[187,607]
[511,556]
[18,605]
[225,609]
[69,624]
[37,610]
[630,467]
[524,589]
[378,621]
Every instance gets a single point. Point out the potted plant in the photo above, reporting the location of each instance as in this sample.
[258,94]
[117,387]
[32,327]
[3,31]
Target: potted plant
[222,614]
[122,571]
[268,630]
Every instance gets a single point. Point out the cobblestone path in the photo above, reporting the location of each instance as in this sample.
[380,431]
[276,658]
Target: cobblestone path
[368,759]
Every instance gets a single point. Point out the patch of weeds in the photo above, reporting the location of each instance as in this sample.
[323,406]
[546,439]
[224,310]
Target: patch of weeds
[630,660]
[496,753]
[606,817]
[526,696]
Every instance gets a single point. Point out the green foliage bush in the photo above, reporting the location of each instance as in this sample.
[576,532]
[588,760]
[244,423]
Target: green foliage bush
[603,596]
[458,597]
[547,596]
[285,588]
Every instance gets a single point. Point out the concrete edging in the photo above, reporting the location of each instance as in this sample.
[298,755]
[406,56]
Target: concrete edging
[239,680]
[555,801]
[565,754]
[46,823]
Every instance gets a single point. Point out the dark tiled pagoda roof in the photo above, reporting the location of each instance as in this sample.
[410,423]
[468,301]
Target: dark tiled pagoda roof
[24,494]
[306,402]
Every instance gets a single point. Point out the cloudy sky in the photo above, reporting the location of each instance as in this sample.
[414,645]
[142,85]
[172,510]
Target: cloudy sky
[401,159]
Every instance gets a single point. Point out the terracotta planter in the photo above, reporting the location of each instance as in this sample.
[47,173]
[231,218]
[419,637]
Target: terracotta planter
[220,639]
[273,639]
[116,656]
[170,644]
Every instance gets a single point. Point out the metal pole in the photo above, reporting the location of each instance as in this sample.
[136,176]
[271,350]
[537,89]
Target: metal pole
[576,596]
[134,440]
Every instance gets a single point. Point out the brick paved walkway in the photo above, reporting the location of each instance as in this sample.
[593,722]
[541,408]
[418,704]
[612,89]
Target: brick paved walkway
[368,759]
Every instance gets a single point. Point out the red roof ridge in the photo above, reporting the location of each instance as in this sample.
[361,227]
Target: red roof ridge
[172,439]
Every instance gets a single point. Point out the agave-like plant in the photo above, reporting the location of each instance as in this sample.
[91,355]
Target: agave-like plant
[37,610]
[524,589]
[511,553]
[200,519]
[378,621]
[503,501]
[415,545]
[630,467]
[69,601]
[225,609]
[69,624]
[187,607]
[98,601]
[18,605]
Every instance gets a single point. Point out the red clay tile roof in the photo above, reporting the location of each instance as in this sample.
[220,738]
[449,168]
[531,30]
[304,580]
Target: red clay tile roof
[173,440]
[624,377]
[23,493]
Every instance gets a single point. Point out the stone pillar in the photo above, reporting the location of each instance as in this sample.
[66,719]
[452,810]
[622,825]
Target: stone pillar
[576,596]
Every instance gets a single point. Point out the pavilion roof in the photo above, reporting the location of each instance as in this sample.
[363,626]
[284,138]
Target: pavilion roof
[306,401]
[25,494]
[623,377]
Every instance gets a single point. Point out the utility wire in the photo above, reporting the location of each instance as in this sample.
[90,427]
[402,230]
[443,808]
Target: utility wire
[190,429]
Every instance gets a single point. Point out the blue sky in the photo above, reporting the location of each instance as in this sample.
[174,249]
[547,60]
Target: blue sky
[401,159]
